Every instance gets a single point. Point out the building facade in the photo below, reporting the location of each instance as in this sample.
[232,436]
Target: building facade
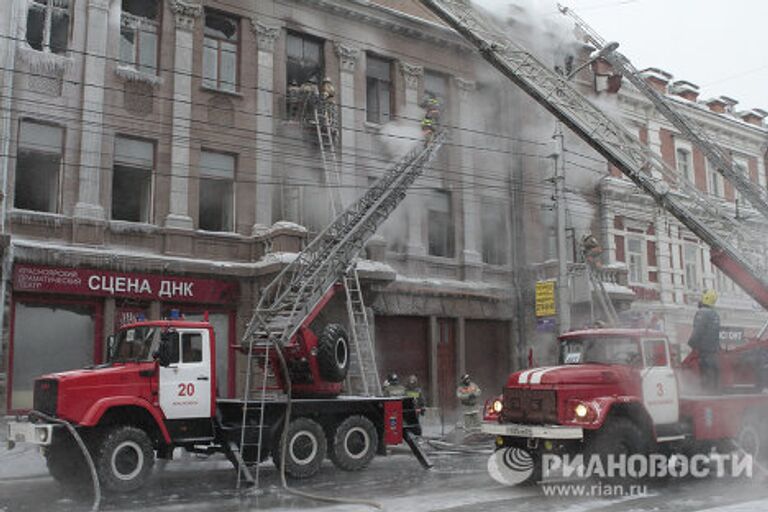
[154,163]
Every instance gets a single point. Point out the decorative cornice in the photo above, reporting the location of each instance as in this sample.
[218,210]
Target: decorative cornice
[465,87]
[186,13]
[265,35]
[412,74]
[348,56]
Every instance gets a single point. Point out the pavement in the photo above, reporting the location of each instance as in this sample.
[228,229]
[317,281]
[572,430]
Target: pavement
[459,482]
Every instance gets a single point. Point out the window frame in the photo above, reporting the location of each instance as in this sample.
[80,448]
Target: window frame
[305,37]
[377,82]
[500,209]
[59,171]
[686,173]
[232,182]
[137,30]
[219,40]
[641,253]
[450,234]
[695,264]
[151,193]
[48,9]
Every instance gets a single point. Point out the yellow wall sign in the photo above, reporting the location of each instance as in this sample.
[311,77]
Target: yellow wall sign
[545,298]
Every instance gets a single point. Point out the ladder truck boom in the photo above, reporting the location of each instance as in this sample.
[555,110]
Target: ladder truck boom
[691,130]
[729,245]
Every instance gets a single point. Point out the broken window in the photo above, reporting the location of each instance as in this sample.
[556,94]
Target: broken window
[220,51]
[48,25]
[37,167]
[378,89]
[440,224]
[493,219]
[304,59]
[217,178]
[139,29]
[132,180]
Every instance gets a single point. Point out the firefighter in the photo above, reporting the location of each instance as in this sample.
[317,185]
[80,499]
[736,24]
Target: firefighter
[327,90]
[293,100]
[413,390]
[468,393]
[392,386]
[431,120]
[591,250]
[705,340]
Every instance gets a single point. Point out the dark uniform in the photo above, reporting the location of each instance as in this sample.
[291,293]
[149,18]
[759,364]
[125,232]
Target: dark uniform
[705,339]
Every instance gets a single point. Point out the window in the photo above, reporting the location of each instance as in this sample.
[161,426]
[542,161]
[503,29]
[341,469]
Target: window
[741,167]
[217,178]
[715,180]
[684,164]
[635,259]
[655,353]
[493,217]
[304,56]
[132,180]
[435,85]
[139,28]
[37,167]
[440,224]
[48,25]
[220,51]
[378,89]
[690,256]
[191,348]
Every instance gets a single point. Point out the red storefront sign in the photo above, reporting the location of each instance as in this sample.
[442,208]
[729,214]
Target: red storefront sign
[78,281]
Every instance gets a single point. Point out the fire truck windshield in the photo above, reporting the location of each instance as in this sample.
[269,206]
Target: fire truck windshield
[600,350]
[135,344]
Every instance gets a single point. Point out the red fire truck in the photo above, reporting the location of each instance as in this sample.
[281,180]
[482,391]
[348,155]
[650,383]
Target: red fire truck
[619,391]
[157,392]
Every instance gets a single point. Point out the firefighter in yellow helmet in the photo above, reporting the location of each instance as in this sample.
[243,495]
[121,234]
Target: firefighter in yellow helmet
[705,340]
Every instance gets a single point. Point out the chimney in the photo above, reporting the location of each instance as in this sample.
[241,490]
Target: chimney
[730,103]
[754,116]
[657,78]
[686,90]
[716,105]
[606,79]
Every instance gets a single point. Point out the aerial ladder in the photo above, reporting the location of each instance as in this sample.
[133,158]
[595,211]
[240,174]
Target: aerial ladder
[691,130]
[274,339]
[734,250]
[320,118]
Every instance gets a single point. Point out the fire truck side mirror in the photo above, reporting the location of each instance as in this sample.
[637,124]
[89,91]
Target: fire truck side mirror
[165,353]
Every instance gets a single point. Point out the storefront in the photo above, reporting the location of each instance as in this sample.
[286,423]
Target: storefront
[60,318]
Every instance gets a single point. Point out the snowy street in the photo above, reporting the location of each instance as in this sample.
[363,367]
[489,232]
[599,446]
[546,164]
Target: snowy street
[458,482]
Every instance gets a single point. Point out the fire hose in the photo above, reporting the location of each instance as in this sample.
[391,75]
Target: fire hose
[86,454]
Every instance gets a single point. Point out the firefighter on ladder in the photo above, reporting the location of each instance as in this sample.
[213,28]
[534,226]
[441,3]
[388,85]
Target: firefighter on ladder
[431,120]
[592,251]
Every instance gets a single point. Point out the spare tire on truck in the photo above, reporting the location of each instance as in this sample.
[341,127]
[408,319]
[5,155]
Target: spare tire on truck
[333,353]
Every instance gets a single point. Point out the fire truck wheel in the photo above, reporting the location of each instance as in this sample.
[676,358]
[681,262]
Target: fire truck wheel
[124,459]
[333,353]
[354,443]
[305,449]
[617,436]
[753,438]
[66,462]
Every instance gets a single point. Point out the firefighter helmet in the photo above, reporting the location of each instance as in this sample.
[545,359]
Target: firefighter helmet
[709,297]
[393,379]
[465,379]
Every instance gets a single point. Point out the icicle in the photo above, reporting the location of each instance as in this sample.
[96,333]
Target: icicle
[44,63]
[132,75]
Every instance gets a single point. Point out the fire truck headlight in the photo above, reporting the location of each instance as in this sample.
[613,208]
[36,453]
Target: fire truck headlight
[497,406]
[581,411]
[42,435]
